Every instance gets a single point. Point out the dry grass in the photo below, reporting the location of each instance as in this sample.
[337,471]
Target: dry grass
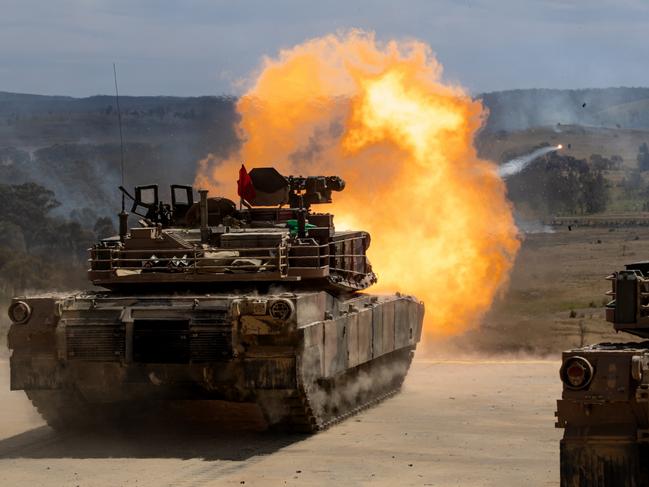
[556,295]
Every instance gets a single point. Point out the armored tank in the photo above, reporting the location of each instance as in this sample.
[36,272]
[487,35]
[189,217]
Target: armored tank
[257,303]
[604,408]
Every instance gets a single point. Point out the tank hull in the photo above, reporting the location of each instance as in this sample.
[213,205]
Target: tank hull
[307,359]
[606,421]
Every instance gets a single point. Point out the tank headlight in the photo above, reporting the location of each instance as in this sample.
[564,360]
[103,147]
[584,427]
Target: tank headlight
[19,312]
[281,309]
[576,373]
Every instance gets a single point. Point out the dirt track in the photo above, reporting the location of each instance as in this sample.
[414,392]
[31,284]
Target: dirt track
[455,424]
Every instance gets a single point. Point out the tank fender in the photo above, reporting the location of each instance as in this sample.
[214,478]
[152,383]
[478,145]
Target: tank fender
[310,308]
[359,335]
[311,356]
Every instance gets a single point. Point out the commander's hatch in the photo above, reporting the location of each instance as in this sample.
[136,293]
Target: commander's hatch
[147,204]
[146,197]
[182,199]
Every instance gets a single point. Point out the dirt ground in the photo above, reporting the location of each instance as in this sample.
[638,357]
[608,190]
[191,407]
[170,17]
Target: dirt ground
[477,423]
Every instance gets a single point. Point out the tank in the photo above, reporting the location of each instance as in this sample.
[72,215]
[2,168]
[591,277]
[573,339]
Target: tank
[260,303]
[604,407]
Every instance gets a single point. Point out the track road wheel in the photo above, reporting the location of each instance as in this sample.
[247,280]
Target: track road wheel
[67,410]
[61,409]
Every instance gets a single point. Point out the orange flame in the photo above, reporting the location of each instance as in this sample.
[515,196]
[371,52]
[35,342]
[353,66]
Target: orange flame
[379,116]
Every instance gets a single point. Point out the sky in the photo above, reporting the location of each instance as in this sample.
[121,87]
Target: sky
[211,47]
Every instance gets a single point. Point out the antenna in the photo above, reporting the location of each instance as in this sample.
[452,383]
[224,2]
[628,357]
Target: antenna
[121,138]
[123,216]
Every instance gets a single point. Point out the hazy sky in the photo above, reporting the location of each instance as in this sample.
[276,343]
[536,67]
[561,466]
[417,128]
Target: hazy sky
[201,47]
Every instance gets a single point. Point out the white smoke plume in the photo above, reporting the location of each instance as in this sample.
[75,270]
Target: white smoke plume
[516,165]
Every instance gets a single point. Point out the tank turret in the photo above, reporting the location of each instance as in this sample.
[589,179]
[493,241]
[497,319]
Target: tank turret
[273,237]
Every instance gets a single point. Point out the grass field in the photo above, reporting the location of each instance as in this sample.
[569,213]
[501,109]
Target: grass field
[555,299]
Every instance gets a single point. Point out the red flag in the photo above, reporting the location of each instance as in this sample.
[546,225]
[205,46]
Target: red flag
[245,188]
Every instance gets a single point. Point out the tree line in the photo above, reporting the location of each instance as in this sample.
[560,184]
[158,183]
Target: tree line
[562,184]
[39,250]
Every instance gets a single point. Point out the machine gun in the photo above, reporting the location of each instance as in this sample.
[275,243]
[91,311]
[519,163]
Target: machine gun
[273,189]
[304,192]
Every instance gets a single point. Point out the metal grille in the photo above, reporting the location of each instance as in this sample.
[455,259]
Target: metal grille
[96,342]
[175,342]
[210,345]
[161,341]
[207,337]
[211,336]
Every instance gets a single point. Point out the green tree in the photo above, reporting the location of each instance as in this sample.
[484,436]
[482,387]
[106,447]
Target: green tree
[27,206]
[595,192]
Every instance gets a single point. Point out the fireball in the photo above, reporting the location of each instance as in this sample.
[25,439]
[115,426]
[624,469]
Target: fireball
[380,116]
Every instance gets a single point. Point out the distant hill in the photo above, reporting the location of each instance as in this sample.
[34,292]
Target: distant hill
[608,107]
[35,120]
[69,119]
[71,145]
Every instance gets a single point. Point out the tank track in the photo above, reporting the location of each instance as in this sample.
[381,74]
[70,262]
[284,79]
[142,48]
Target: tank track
[66,410]
[307,409]
[338,282]
[303,417]
[63,410]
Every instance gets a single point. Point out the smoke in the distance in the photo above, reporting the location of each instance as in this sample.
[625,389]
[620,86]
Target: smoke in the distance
[516,165]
